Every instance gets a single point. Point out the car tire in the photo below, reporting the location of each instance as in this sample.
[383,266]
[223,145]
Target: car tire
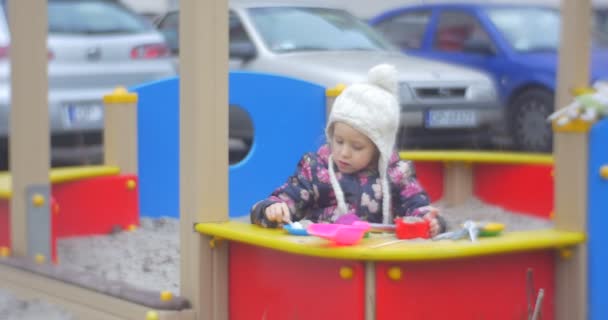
[529,127]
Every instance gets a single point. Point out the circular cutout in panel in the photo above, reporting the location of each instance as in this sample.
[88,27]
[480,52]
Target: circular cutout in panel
[240,134]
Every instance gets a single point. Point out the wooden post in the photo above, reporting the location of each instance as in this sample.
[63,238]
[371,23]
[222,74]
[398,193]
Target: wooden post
[570,153]
[457,182]
[120,130]
[29,124]
[204,153]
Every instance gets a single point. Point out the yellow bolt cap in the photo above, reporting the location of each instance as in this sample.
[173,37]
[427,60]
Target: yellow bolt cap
[5,252]
[38,200]
[151,315]
[166,296]
[346,273]
[604,171]
[131,184]
[394,273]
[40,258]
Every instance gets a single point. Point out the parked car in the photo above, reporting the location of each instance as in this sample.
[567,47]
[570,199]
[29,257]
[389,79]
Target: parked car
[516,43]
[94,46]
[329,46]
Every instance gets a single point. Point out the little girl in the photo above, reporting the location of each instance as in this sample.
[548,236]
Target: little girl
[357,175]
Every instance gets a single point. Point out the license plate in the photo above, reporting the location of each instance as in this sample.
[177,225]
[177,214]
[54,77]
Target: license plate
[450,119]
[83,114]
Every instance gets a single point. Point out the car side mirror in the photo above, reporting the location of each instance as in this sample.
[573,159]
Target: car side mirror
[479,46]
[244,51]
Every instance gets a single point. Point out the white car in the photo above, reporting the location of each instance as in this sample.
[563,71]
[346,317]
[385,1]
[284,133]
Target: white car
[329,46]
[94,46]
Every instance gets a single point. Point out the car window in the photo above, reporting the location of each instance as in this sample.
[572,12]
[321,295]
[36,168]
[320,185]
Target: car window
[288,29]
[455,29]
[528,29]
[236,30]
[93,17]
[406,30]
[600,26]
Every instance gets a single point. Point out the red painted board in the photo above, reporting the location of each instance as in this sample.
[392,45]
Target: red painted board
[96,205]
[516,187]
[430,176]
[273,285]
[492,287]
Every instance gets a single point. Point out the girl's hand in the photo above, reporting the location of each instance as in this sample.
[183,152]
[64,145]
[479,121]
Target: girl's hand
[431,216]
[278,212]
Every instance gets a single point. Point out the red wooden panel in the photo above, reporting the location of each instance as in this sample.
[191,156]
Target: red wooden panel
[272,285]
[430,176]
[96,206]
[492,287]
[5,224]
[516,187]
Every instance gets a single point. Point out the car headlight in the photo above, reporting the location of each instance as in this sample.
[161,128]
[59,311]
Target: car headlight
[405,94]
[481,91]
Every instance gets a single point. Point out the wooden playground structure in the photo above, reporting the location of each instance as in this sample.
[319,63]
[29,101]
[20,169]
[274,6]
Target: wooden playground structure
[205,236]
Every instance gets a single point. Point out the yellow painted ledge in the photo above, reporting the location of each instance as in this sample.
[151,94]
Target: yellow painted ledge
[478,156]
[412,250]
[60,175]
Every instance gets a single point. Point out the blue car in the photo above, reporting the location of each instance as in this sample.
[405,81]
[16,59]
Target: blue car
[516,44]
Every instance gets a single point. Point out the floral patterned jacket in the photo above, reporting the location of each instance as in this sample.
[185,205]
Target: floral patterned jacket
[309,194]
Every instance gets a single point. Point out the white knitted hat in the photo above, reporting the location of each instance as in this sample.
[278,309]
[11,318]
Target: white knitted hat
[371,108]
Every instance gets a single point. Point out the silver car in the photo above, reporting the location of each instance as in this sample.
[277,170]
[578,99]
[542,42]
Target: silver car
[329,46]
[94,46]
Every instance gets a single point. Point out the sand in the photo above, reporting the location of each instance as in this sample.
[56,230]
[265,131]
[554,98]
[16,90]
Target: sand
[148,257]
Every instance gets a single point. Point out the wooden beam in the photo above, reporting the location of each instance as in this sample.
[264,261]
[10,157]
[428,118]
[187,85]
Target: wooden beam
[457,182]
[29,121]
[570,153]
[203,153]
[120,130]
[80,302]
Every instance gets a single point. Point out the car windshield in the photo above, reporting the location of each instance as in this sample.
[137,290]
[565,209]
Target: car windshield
[289,29]
[537,29]
[93,17]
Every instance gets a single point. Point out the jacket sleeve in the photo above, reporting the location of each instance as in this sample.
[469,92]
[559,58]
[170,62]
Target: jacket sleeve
[408,194]
[298,193]
[409,198]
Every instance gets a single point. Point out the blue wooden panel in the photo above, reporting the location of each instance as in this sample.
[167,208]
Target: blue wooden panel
[288,116]
[597,222]
[158,147]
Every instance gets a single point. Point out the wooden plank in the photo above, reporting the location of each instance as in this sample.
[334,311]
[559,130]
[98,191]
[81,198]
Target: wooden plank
[570,154]
[203,152]
[120,130]
[458,183]
[81,302]
[29,124]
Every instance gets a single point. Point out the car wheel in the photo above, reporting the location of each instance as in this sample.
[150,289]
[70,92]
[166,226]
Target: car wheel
[528,120]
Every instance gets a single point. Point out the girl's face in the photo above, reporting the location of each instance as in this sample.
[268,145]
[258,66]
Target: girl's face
[351,150]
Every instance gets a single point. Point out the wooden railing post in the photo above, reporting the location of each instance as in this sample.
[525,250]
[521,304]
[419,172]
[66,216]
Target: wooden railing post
[120,130]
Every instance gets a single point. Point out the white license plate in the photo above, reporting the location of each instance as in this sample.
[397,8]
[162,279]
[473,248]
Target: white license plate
[83,114]
[450,119]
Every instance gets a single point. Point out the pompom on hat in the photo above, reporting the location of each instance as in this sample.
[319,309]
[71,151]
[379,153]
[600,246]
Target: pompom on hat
[372,108]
